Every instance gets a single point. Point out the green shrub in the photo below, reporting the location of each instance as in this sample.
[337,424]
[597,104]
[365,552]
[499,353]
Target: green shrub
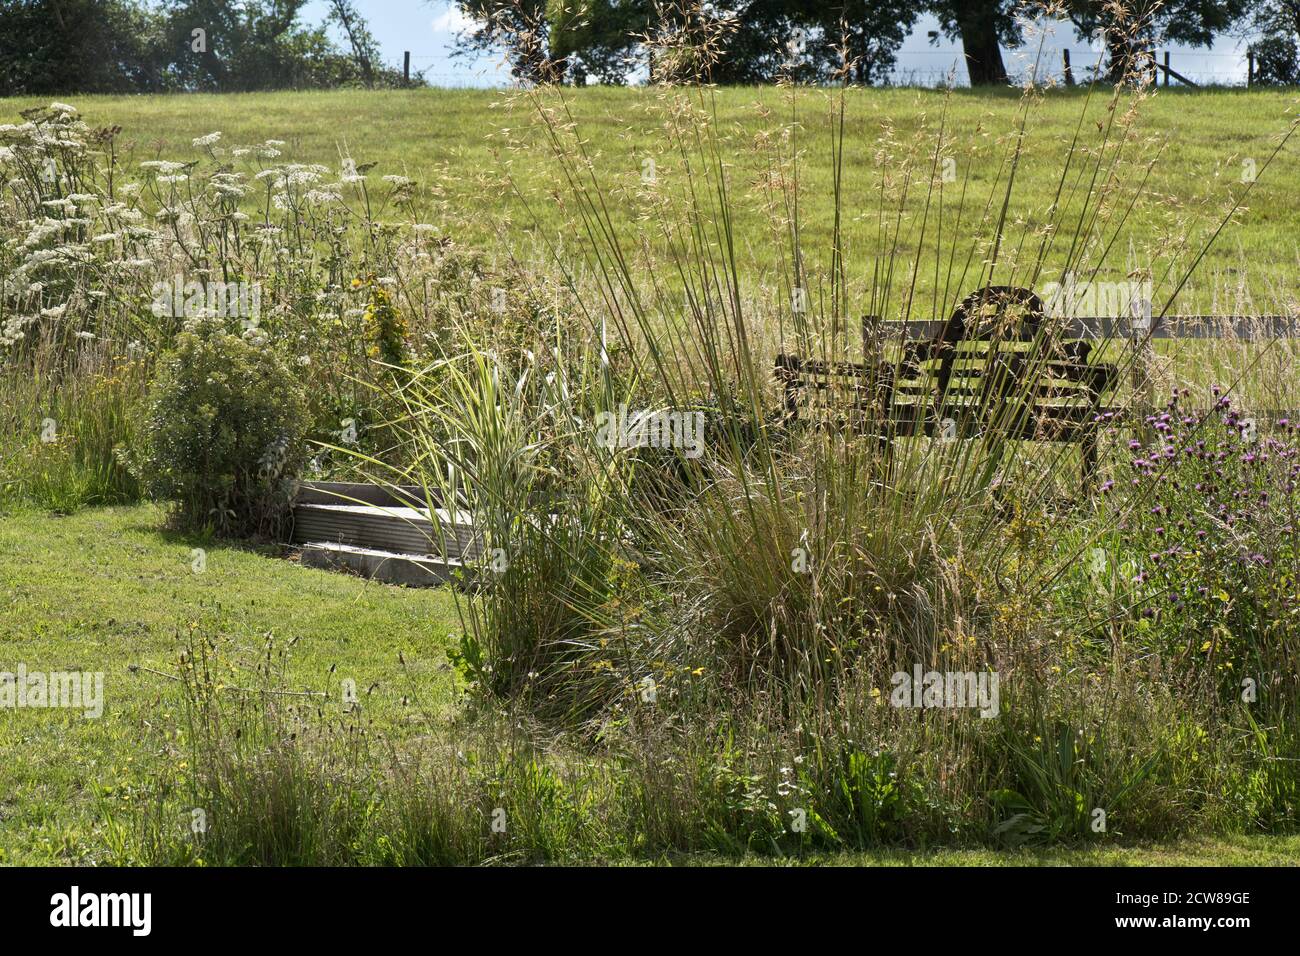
[222,434]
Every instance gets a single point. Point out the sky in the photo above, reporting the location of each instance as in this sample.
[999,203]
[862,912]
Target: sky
[427,28]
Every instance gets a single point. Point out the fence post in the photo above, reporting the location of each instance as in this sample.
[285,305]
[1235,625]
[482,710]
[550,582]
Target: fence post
[1140,338]
[406,68]
[1166,67]
[1069,73]
[1250,67]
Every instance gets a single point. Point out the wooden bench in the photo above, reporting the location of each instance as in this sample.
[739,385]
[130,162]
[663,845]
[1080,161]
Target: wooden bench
[992,371]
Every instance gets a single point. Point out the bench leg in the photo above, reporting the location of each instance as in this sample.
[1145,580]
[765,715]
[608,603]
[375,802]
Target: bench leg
[1088,453]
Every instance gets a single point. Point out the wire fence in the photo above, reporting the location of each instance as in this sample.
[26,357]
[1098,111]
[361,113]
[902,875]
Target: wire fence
[1204,68]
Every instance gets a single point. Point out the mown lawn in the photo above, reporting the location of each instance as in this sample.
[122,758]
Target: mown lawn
[1208,851]
[105,589]
[452,142]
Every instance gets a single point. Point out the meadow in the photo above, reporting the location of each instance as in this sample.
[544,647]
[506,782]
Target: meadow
[468,150]
[664,654]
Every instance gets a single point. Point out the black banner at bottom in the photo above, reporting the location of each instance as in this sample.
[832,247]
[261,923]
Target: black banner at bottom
[356,907]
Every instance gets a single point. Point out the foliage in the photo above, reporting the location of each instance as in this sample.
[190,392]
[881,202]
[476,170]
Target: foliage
[1132,27]
[1275,25]
[126,46]
[760,40]
[1208,535]
[223,433]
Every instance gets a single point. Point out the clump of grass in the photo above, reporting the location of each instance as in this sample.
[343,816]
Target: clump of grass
[64,436]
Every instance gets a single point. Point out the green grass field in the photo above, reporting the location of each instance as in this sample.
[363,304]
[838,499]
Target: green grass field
[105,589]
[453,143]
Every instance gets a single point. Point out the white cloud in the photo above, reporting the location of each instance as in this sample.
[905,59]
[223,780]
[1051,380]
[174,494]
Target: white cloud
[451,20]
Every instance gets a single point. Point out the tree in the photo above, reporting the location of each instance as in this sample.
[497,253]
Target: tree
[597,37]
[751,41]
[983,26]
[1274,28]
[1132,28]
[520,28]
[130,46]
[79,46]
[250,45]
[365,51]
[262,44]
[871,32]
[814,41]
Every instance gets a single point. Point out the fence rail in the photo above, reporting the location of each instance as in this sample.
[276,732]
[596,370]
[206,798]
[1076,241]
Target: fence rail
[1244,327]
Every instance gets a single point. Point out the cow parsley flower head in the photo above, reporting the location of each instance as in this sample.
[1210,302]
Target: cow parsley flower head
[164,166]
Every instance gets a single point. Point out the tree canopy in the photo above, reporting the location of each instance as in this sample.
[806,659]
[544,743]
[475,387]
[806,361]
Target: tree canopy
[124,46]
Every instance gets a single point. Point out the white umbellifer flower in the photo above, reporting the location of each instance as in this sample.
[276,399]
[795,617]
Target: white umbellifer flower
[14,328]
[324,195]
[228,185]
[83,197]
[240,151]
[105,237]
[274,142]
[175,178]
[424,227]
[54,311]
[165,166]
[397,182]
[85,335]
[130,189]
[203,142]
[304,360]
[63,109]
[6,155]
